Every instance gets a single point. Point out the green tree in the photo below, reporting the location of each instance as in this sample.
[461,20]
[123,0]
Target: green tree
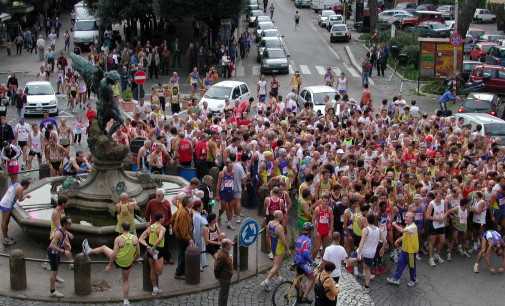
[210,11]
[465,16]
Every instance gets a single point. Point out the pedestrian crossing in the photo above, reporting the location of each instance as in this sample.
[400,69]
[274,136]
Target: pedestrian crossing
[303,69]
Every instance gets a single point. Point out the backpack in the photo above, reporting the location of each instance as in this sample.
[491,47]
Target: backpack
[320,292]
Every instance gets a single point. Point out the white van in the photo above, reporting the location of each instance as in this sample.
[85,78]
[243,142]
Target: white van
[317,5]
[81,12]
[85,32]
[329,4]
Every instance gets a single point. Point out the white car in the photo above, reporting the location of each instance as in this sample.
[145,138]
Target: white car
[334,19]
[315,95]
[323,17]
[483,15]
[40,96]
[219,92]
[447,11]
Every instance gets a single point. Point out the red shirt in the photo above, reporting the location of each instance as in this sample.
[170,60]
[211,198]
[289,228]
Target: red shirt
[153,206]
[185,151]
[90,114]
[201,150]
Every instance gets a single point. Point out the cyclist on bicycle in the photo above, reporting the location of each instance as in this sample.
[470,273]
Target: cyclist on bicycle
[303,260]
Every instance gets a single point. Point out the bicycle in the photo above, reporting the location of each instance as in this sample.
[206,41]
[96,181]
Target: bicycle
[290,292]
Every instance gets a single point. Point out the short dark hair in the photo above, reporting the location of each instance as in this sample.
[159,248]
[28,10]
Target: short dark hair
[65,220]
[370,219]
[329,267]
[158,216]
[62,200]
[125,226]
[185,201]
[25,182]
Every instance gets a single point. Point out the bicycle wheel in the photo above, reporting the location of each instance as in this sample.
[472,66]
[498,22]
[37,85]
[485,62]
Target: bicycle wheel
[285,293]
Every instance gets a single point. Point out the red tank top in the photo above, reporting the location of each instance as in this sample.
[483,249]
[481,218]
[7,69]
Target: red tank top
[185,151]
[273,206]
[323,221]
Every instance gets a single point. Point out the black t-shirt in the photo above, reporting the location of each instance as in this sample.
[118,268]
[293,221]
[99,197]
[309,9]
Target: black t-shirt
[338,217]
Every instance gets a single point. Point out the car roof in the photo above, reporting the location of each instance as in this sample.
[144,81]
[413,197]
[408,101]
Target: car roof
[487,43]
[484,66]
[327,11]
[481,95]
[475,29]
[471,62]
[264,22]
[271,38]
[481,117]
[274,49]
[428,12]
[228,83]
[320,88]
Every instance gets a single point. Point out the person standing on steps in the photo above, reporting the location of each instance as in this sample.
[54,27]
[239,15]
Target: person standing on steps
[279,246]
[154,247]
[53,251]
[410,247]
[160,204]
[126,251]
[223,271]
[125,212]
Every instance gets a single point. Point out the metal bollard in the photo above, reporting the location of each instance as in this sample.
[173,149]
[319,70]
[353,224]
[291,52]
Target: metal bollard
[192,265]
[146,274]
[244,255]
[44,171]
[17,269]
[82,274]
[214,172]
[262,194]
[264,242]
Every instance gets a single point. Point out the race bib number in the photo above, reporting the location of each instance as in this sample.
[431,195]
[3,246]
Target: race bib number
[324,219]
[214,236]
[418,216]
[463,220]
[228,183]
[13,163]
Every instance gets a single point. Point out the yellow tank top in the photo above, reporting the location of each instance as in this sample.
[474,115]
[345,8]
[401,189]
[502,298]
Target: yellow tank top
[53,225]
[153,237]
[410,243]
[324,187]
[126,254]
[355,226]
[125,215]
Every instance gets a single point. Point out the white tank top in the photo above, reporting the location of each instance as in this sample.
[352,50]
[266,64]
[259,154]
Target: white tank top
[372,240]
[232,149]
[9,198]
[438,211]
[342,84]
[480,219]
[36,142]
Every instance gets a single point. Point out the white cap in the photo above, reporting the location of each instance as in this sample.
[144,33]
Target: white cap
[340,151]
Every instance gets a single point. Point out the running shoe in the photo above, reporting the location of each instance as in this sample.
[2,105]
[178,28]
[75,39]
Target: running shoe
[230,226]
[412,283]
[271,255]
[393,281]
[8,241]
[85,247]
[466,254]
[349,269]
[359,275]
[46,266]
[476,268]
[383,270]
[449,257]
[59,280]
[438,258]
[157,291]
[239,220]
[57,294]
[280,279]
[418,257]
[265,285]
[431,262]
[363,276]
[377,271]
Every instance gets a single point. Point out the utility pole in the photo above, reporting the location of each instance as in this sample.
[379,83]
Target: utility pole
[455,64]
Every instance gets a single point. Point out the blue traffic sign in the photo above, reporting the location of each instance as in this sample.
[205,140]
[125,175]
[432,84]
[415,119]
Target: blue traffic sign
[455,40]
[249,232]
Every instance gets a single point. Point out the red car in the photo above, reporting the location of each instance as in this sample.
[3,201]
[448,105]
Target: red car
[496,83]
[480,50]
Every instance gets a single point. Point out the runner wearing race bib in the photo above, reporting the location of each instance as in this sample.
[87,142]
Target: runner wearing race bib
[226,193]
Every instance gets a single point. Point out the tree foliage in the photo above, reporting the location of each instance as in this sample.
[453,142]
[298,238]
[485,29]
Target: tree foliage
[199,8]
[118,11]
[465,17]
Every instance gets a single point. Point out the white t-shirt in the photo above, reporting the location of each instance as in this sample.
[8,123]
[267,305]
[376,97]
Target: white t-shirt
[23,131]
[262,87]
[335,254]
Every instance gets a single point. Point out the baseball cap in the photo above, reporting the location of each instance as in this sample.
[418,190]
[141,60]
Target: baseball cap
[176,114]
[21,118]
[340,151]
[399,183]
[428,138]
[282,150]
[268,153]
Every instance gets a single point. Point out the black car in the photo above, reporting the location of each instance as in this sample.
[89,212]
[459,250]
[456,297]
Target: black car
[274,60]
[468,69]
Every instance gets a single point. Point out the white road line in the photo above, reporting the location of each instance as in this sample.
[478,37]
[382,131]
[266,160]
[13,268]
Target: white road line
[321,70]
[256,70]
[353,71]
[305,69]
[336,71]
[326,41]
[239,71]
[65,114]
[291,70]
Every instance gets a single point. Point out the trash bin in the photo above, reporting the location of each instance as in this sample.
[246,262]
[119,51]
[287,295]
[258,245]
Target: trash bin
[187,173]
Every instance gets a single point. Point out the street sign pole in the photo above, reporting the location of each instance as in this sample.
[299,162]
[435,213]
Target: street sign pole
[455,64]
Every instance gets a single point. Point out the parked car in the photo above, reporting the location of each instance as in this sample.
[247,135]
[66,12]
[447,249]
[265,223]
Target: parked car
[323,17]
[265,25]
[407,6]
[334,19]
[476,33]
[269,42]
[431,29]
[302,3]
[483,102]
[315,95]
[271,33]
[490,38]
[480,50]
[470,42]
[219,92]
[421,16]
[40,97]
[496,83]
[274,60]
[385,17]
[489,123]
[447,11]
[468,67]
[483,15]
[496,56]
[252,16]
[340,32]
[426,7]
[450,24]
[261,18]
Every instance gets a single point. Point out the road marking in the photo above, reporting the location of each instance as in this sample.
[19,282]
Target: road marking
[291,70]
[326,41]
[239,71]
[305,69]
[65,114]
[336,71]
[353,71]
[321,70]
[256,70]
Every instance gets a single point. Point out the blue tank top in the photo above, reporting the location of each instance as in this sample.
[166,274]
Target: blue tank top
[419,217]
[501,200]
[227,183]
[208,82]
[59,244]
[274,238]
[400,216]
[283,167]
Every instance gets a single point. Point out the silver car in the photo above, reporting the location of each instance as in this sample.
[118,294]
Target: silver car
[274,60]
[340,32]
[334,19]
[323,17]
[272,42]
[265,25]
[489,123]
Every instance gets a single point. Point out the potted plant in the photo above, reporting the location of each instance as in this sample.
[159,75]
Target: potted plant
[127,103]
[186,100]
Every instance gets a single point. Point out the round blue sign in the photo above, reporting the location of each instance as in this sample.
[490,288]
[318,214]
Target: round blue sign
[249,232]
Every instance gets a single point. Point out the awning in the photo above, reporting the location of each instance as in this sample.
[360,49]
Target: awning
[4,17]
[19,7]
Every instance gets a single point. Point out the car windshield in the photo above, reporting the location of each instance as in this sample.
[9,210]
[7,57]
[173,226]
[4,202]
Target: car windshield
[476,33]
[469,67]
[39,90]
[339,28]
[271,33]
[218,92]
[327,13]
[86,25]
[486,48]
[477,104]
[256,13]
[272,42]
[437,26]
[266,26]
[497,129]
[274,54]
[444,8]
[319,97]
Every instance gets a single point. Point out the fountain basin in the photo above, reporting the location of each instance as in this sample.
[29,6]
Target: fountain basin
[34,215]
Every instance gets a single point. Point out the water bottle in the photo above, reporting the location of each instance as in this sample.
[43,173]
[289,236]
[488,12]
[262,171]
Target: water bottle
[155,255]
[170,230]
